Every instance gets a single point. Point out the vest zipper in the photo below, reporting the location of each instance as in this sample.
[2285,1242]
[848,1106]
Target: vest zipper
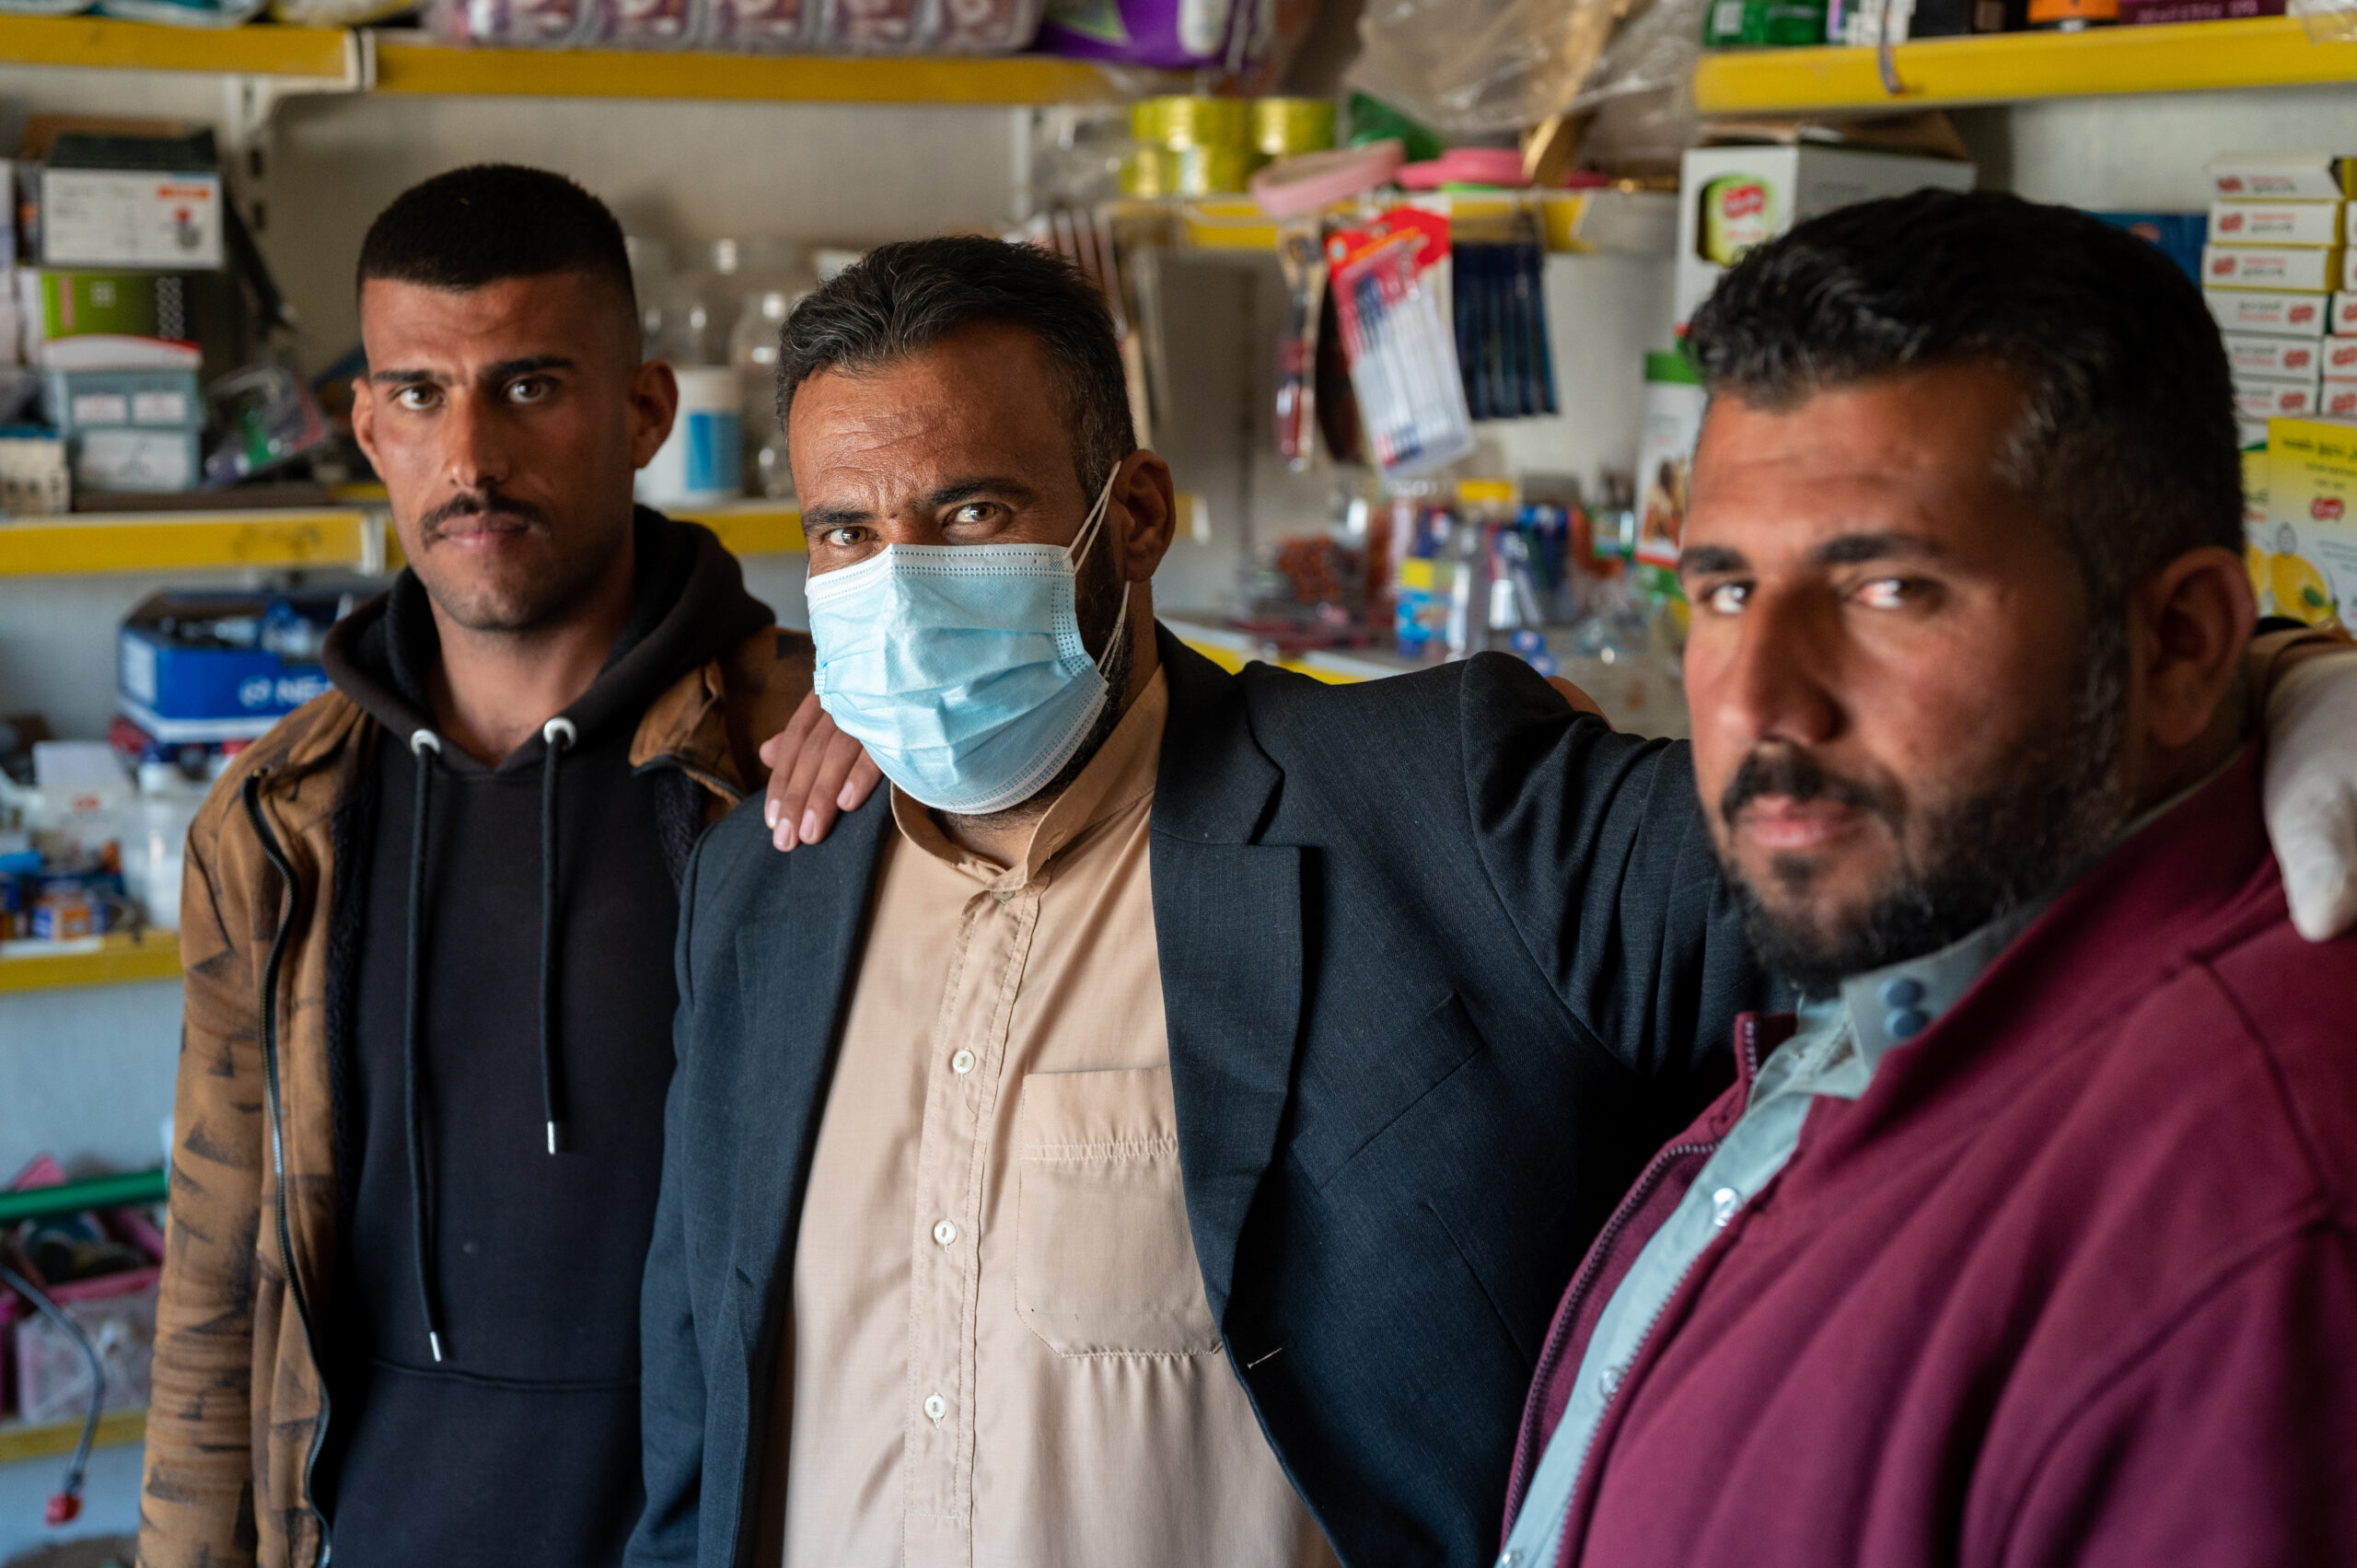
[1552,1356]
[277,856]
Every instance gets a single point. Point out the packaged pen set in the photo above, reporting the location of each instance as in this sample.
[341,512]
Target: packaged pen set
[1441,325]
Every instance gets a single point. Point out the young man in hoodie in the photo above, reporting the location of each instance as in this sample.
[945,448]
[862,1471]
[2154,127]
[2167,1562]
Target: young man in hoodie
[428,928]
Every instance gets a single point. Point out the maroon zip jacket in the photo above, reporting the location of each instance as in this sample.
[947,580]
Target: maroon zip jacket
[2073,1281]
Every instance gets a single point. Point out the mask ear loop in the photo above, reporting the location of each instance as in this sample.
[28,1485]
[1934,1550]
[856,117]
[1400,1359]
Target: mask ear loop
[1080,547]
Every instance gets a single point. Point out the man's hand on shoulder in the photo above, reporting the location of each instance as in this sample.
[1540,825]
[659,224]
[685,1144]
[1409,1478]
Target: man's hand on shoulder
[816,772]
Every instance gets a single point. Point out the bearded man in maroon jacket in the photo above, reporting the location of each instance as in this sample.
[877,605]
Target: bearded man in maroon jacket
[2032,1237]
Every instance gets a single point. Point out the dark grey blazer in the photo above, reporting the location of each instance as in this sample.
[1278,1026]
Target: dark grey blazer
[1442,965]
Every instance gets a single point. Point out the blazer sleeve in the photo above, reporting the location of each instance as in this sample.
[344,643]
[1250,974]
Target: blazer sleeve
[197,1501]
[1594,843]
[2225,1442]
[672,1390]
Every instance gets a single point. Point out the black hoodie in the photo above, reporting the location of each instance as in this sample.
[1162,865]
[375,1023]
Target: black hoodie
[483,1333]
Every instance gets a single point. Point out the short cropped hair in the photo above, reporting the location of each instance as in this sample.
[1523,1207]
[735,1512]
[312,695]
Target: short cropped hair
[490,222]
[903,299]
[2127,445]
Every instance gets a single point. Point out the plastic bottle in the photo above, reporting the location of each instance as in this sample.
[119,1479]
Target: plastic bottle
[753,350]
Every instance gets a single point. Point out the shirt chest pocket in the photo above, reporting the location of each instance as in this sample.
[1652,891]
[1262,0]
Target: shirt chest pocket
[1104,1264]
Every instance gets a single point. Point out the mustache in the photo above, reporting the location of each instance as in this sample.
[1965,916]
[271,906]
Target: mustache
[1787,771]
[491,502]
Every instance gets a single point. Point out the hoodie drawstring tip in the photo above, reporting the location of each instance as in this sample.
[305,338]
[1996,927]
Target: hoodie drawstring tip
[434,1344]
[556,1138]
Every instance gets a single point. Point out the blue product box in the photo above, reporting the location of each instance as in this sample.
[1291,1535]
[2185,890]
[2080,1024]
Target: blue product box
[194,668]
[2180,236]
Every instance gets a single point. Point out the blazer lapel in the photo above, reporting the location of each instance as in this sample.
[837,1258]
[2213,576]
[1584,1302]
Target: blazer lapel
[797,959]
[1228,928]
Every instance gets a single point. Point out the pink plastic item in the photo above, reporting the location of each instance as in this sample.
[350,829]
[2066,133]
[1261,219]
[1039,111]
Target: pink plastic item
[1294,187]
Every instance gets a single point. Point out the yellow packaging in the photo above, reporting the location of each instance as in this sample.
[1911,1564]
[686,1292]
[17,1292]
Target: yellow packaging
[2303,562]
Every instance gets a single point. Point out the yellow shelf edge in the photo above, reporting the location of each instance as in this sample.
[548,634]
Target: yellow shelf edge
[178,541]
[256,49]
[116,1428]
[1002,80]
[120,958]
[1236,222]
[2256,52]
[749,527]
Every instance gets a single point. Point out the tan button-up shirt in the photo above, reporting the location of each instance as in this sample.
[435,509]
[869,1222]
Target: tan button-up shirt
[999,1353]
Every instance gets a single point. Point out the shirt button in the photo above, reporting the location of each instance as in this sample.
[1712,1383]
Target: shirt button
[945,1233]
[1723,1204]
[1901,991]
[1906,1023]
[1004,895]
[962,1063]
[936,1407]
[1509,1559]
[1609,1383]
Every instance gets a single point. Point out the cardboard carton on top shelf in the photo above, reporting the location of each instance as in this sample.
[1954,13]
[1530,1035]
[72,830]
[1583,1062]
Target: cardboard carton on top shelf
[2253,310]
[2276,223]
[2319,177]
[2283,269]
[1733,197]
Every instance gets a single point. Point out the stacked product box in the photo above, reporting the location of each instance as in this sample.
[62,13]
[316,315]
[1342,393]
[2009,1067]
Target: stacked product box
[2302,558]
[2272,260]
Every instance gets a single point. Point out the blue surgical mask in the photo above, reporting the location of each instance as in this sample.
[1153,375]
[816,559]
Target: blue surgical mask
[961,668]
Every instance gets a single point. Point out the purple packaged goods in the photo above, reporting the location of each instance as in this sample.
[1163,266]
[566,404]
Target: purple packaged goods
[1169,34]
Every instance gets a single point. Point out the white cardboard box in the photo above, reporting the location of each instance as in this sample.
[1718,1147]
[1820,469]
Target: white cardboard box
[2275,223]
[2317,176]
[106,219]
[2258,356]
[2340,356]
[1794,184]
[2343,318]
[2286,315]
[2275,400]
[2278,267]
[2337,397]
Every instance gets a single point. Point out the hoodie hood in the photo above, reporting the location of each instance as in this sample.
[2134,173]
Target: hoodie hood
[691,607]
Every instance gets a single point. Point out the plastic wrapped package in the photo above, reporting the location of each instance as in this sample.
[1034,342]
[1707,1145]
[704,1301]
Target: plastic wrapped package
[514,24]
[761,26]
[813,26]
[184,13]
[337,13]
[1481,67]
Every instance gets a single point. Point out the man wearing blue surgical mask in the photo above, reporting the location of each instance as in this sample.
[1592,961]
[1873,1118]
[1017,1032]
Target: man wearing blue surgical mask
[1155,1135]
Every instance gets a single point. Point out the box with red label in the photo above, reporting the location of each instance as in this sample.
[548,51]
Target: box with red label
[2343,317]
[2286,315]
[2337,397]
[2280,267]
[2303,562]
[2275,400]
[2315,177]
[2275,223]
[2259,356]
[2340,356]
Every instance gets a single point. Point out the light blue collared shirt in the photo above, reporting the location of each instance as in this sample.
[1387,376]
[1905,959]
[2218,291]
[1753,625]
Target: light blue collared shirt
[1841,1041]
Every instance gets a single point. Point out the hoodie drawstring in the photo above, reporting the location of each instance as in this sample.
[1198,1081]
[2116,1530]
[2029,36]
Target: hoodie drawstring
[558,734]
[425,746]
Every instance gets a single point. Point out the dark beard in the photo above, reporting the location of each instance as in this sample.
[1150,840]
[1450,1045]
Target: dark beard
[1992,852]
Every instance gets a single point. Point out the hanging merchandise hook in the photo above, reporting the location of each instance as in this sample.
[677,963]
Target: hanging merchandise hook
[66,1504]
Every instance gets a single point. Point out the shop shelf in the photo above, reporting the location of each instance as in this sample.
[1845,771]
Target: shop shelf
[1576,222]
[20,1440]
[2011,67]
[261,50]
[179,542]
[404,66]
[750,527]
[97,961]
